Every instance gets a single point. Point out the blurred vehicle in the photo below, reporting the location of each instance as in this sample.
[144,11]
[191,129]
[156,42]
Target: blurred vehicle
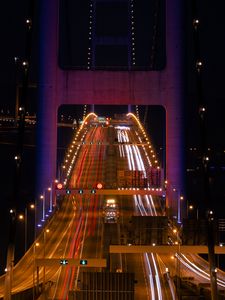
[110,211]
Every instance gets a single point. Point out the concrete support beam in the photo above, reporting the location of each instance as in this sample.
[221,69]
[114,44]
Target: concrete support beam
[86,262]
[190,249]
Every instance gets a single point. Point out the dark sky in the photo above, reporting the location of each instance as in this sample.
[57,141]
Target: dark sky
[212,32]
[212,41]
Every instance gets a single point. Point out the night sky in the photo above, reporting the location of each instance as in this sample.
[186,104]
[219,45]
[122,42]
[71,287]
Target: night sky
[212,47]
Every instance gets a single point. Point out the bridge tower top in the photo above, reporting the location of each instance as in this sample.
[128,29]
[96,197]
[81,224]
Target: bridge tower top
[128,77]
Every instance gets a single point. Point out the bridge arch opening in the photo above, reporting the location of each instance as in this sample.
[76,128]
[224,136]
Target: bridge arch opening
[69,117]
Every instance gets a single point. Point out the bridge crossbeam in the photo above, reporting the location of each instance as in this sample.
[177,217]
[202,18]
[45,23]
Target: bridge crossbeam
[86,262]
[164,249]
[119,191]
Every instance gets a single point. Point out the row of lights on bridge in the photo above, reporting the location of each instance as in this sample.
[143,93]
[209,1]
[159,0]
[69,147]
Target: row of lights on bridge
[73,151]
[153,155]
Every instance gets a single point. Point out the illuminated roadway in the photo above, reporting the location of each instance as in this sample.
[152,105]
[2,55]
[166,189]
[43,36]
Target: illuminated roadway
[81,227]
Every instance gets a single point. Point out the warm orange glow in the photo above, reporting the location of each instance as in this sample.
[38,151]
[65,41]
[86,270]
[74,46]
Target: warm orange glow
[59,186]
[21,217]
[99,186]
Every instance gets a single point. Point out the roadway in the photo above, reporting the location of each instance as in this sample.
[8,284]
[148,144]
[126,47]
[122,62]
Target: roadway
[80,228]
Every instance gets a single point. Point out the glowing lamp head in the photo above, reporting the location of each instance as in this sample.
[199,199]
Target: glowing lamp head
[99,186]
[59,186]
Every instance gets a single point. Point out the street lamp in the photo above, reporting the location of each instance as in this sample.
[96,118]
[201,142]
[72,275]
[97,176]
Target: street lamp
[191,208]
[24,217]
[180,199]
[50,199]
[42,197]
[46,231]
[47,202]
[35,280]
[21,217]
[31,207]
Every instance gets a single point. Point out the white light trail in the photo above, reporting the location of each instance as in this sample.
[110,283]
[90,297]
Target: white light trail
[157,277]
[192,266]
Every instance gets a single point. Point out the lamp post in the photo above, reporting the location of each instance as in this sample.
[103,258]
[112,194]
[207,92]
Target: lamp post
[24,217]
[32,207]
[42,197]
[50,198]
[35,280]
[47,201]
[180,205]
[190,209]
[178,273]
[46,231]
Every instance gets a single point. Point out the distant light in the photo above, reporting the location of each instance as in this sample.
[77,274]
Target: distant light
[25,63]
[196,22]
[199,63]
[199,66]
[202,109]
[21,217]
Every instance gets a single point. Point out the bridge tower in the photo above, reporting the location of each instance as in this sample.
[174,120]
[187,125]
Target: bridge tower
[63,81]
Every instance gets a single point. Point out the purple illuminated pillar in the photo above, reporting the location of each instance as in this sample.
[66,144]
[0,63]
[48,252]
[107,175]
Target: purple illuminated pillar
[174,97]
[48,98]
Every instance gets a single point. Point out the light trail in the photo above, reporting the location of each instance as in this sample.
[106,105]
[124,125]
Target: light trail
[152,288]
[135,161]
[197,270]
[72,230]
